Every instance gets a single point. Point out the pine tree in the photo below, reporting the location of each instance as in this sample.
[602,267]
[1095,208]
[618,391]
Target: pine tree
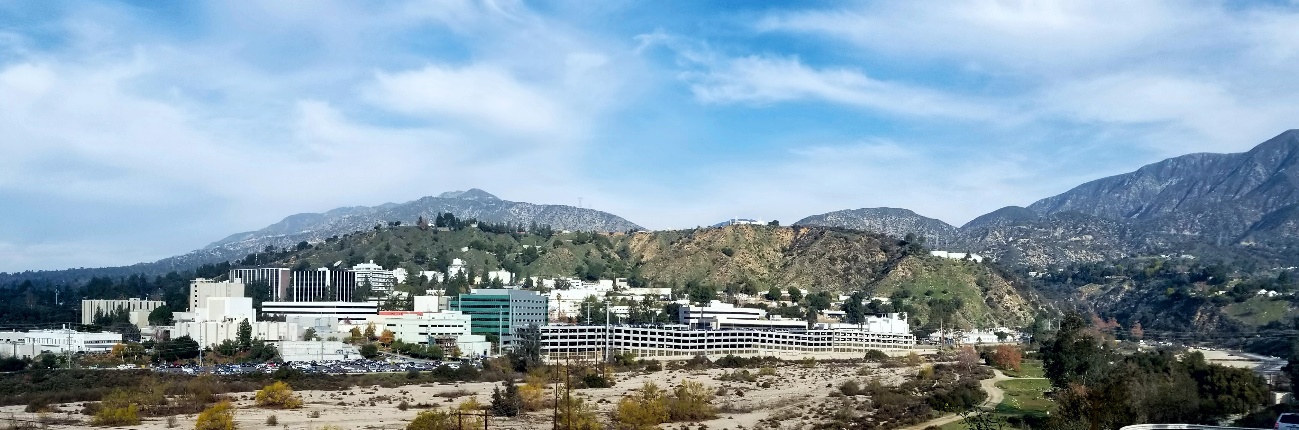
[245,336]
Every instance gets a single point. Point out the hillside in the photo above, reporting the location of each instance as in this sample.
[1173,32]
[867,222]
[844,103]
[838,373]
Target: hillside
[890,221]
[741,258]
[1222,206]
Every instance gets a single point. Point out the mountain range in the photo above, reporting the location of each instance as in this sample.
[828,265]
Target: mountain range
[1194,204]
[1211,205]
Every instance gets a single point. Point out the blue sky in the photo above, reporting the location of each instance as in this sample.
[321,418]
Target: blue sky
[138,130]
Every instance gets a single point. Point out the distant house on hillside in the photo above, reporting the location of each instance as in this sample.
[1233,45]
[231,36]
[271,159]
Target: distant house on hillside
[957,255]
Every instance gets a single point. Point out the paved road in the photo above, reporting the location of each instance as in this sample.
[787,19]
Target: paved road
[995,396]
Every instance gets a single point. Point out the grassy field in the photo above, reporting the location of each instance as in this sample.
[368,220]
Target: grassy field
[1258,310]
[1027,369]
[1025,397]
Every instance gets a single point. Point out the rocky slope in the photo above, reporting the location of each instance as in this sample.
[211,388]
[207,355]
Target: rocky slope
[1218,205]
[891,221]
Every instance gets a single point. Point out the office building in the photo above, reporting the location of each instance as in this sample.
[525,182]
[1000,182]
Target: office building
[90,309]
[200,289]
[448,330]
[380,281]
[277,279]
[677,342]
[501,312]
[209,333]
[57,341]
[323,284]
[340,311]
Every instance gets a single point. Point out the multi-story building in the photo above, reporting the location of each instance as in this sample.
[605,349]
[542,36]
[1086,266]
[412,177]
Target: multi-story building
[90,309]
[501,311]
[200,289]
[450,330]
[277,279]
[59,341]
[208,333]
[380,281]
[340,311]
[718,315]
[323,284]
[682,342]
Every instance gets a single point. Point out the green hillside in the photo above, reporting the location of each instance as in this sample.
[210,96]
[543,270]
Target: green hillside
[733,259]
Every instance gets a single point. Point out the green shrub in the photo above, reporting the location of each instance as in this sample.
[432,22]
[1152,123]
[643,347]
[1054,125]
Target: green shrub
[120,416]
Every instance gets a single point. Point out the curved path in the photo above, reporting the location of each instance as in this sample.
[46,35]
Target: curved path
[995,396]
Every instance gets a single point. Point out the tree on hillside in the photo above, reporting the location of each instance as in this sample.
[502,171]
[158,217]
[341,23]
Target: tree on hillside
[1075,355]
[773,293]
[853,310]
[795,295]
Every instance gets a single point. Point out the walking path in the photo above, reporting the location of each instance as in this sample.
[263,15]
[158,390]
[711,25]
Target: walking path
[995,396]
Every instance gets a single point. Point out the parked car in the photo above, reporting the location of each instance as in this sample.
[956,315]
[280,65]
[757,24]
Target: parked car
[1287,421]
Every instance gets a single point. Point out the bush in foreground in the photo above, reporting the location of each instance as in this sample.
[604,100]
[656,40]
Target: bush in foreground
[220,416]
[278,395]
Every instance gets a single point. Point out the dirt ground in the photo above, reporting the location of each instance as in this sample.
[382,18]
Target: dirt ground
[790,394]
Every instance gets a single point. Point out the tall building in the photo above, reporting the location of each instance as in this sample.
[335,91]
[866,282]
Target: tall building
[94,308]
[379,280]
[323,285]
[501,312]
[200,289]
[276,278]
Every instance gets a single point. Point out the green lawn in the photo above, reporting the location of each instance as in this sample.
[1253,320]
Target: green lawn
[1259,310]
[1025,397]
[1027,369]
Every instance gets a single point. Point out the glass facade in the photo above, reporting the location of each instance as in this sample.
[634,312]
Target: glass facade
[501,312]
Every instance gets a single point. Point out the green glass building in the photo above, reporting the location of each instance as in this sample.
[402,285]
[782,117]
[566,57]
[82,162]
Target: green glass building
[501,311]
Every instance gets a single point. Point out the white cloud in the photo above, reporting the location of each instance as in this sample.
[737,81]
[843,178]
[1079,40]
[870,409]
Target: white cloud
[765,80]
[486,95]
[1015,36]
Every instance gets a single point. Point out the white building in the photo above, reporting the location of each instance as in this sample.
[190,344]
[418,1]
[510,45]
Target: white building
[338,310]
[447,329]
[226,309]
[503,275]
[434,301]
[957,255]
[292,351]
[93,308]
[456,267]
[200,289]
[208,333]
[277,279]
[681,342]
[432,275]
[58,341]
[563,304]
[380,281]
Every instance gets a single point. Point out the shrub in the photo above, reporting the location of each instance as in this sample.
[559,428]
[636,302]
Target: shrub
[403,406]
[767,371]
[40,404]
[532,393]
[314,414]
[432,420]
[691,401]
[643,410]
[128,415]
[171,422]
[278,395]
[220,416]
[272,420]
[876,355]
[653,365]
[850,388]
